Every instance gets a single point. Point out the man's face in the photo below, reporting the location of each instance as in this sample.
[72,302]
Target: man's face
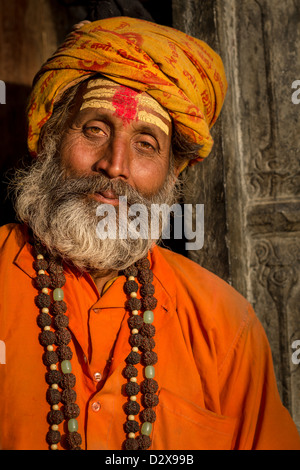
[120,133]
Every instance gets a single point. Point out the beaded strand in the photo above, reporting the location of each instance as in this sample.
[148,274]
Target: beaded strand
[59,375]
[141,339]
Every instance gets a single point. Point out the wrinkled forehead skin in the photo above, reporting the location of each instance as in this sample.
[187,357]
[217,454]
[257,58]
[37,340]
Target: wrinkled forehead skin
[124,102]
[180,72]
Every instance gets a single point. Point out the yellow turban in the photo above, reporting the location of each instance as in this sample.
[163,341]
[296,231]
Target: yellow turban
[182,73]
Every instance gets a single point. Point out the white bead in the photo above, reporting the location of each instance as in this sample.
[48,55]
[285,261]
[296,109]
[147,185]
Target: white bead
[131,417]
[54,427]
[55,386]
[50,347]
[134,331]
[133,379]
[133,398]
[131,435]
[131,278]
[45,310]
[55,407]
[47,328]
[39,257]
[133,295]
[45,290]
[135,312]
[41,271]
[135,349]
[53,367]
[53,446]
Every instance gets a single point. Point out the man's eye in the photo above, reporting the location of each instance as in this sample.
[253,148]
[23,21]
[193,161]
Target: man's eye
[146,145]
[94,130]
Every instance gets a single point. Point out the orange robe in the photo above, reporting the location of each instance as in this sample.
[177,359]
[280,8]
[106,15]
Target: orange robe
[217,388]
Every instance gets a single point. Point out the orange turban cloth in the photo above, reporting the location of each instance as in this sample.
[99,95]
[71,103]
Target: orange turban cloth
[182,73]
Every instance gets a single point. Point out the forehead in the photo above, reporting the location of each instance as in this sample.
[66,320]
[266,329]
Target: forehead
[125,103]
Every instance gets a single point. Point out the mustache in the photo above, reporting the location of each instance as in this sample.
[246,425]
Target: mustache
[74,187]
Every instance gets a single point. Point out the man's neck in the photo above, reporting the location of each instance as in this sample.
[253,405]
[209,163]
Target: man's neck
[101,278]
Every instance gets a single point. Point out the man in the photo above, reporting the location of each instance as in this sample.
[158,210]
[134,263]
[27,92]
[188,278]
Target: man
[116,343]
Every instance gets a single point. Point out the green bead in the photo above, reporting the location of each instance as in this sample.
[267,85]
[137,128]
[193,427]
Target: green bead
[58,294]
[148,316]
[146,428]
[66,367]
[149,372]
[72,425]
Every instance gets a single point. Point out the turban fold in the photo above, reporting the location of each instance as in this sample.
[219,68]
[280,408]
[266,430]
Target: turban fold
[181,72]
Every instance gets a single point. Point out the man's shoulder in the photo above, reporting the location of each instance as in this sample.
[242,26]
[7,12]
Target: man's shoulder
[12,236]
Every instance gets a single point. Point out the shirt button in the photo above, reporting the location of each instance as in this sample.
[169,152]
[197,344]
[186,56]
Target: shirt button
[96,406]
[97,376]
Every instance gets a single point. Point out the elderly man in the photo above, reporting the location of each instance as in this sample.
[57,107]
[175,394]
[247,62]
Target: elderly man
[116,343]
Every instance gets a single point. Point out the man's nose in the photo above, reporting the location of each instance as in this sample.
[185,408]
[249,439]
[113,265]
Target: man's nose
[114,159]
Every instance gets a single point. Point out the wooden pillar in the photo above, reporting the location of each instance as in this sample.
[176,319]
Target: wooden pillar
[258,157]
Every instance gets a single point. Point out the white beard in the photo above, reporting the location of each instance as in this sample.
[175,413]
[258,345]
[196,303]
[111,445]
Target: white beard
[64,219]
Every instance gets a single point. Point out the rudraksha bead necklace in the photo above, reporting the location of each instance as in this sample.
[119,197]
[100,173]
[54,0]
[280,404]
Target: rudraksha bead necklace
[55,337]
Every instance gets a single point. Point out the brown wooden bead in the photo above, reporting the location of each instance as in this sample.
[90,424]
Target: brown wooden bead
[132,388]
[135,322]
[64,352]
[53,396]
[44,319]
[53,437]
[132,408]
[149,302]
[68,396]
[55,268]
[131,271]
[146,344]
[53,377]
[62,337]
[71,410]
[147,289]
[68,381]
[57,280]
[149,386]
[148,415]
[58,307]
[147,330]
[149,358]
[145,275]
[50,357]
[133,358]
[131,444]
[41,281]
[43,300]
[135,340]
[61,321]
[40,264]
[130,371]
[144,442]
[74,440]
[134,304]
[47,337]
[150,400]
[131,426]
[143,263]
[55,417]
[130,286]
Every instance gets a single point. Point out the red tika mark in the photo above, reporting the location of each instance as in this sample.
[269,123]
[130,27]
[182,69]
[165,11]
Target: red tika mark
[125,104]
